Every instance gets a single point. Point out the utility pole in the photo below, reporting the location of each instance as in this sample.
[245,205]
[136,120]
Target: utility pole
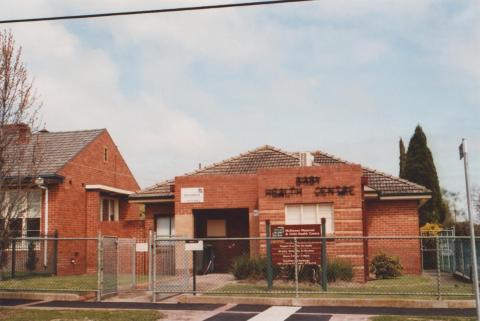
[464,156]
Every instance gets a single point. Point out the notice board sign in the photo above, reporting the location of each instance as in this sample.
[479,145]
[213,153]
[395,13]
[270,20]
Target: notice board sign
[308,251]
[191,195]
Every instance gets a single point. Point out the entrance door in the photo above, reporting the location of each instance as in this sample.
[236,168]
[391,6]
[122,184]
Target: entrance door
[222,224]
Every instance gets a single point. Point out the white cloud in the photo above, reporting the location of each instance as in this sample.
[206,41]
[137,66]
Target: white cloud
[274,60]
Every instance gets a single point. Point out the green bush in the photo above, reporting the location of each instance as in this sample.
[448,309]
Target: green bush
[241,268]
[339,270]
[385,266]
[246,267]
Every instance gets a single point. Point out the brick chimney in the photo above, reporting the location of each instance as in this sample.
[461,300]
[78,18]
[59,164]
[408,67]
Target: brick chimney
[21,130]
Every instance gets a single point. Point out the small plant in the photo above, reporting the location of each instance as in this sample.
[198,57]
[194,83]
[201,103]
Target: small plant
[246,267]
[241,268]
[385,266]
[339,270]
[32,259]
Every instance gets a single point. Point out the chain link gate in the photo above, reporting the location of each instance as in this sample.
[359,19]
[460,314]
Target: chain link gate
[108,271]
[171,264]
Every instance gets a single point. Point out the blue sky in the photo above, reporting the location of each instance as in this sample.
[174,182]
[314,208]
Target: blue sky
[346,77]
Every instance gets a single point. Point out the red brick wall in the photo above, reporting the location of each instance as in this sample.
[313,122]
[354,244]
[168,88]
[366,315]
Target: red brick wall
[347,210]
[75,212]
[395,218]
[220,191]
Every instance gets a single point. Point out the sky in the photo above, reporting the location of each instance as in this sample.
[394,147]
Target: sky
[348,77]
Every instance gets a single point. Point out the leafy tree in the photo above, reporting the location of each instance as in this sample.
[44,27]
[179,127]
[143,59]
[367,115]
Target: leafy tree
[403,158]
[420,169]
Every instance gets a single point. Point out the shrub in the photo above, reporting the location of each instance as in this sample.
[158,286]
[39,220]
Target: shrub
[385,266]
[241,267]
[339,270]
[246,267]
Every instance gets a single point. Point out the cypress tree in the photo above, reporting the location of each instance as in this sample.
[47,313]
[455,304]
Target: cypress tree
[403,159]
[420,169]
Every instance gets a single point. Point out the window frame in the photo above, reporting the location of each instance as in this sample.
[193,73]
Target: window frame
[330,226]
[25,213]
[171,225]
[116,208]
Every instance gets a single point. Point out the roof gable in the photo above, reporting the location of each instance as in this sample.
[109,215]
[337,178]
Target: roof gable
[56,149]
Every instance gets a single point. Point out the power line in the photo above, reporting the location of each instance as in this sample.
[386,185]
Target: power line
[129,13]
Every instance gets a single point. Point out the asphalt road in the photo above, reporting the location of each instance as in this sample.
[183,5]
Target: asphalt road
[242,312]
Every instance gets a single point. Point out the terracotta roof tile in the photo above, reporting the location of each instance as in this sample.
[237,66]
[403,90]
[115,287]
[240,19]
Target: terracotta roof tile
[271,157]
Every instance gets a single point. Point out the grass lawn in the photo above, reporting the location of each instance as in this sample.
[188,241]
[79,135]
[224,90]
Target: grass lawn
[72,283]
[412,318]
[77,315]
[382,288]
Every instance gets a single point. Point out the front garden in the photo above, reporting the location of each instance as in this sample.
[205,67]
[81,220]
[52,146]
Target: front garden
[386,280]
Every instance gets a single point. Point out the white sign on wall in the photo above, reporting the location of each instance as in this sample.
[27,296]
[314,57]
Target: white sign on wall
[141,247]
[194,246]
[191,195]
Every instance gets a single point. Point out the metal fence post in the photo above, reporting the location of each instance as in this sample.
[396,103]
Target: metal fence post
[296,266]
[134,263]
[55,253]
[154,268]
[324,255]
[99,267]
[269,256]
[439,294]
[150,262]
[14,257]
[194,271]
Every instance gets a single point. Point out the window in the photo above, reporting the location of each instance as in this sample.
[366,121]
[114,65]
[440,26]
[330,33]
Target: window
[165,226]
[216,228]
[310,214]
[105,154]
[25,218]
[108,209]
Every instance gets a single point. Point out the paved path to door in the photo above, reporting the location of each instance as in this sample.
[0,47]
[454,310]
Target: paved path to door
[241,312]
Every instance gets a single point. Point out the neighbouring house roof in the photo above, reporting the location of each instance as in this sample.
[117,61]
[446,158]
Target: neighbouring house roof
[271,157]
[55,150]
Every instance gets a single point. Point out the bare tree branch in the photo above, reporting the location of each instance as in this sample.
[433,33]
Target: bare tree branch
[20,149]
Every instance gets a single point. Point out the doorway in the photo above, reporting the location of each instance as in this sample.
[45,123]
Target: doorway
[222,224]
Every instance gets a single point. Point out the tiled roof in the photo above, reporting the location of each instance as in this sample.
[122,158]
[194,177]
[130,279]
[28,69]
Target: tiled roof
[163,190]
[271,157]
[381,182]
[250,162]
[55,149]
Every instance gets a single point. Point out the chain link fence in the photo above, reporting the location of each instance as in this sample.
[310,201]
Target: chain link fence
[295,267]
[290,267]
[49,264]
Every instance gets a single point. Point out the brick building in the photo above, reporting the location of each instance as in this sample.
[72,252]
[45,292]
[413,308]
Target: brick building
[236,197]
[81,187]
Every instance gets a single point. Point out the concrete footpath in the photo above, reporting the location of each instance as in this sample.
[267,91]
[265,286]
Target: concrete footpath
[242,312]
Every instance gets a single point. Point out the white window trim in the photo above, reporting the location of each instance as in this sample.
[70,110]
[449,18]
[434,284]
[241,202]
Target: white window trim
[116,209]
[24,214]
[318,219]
